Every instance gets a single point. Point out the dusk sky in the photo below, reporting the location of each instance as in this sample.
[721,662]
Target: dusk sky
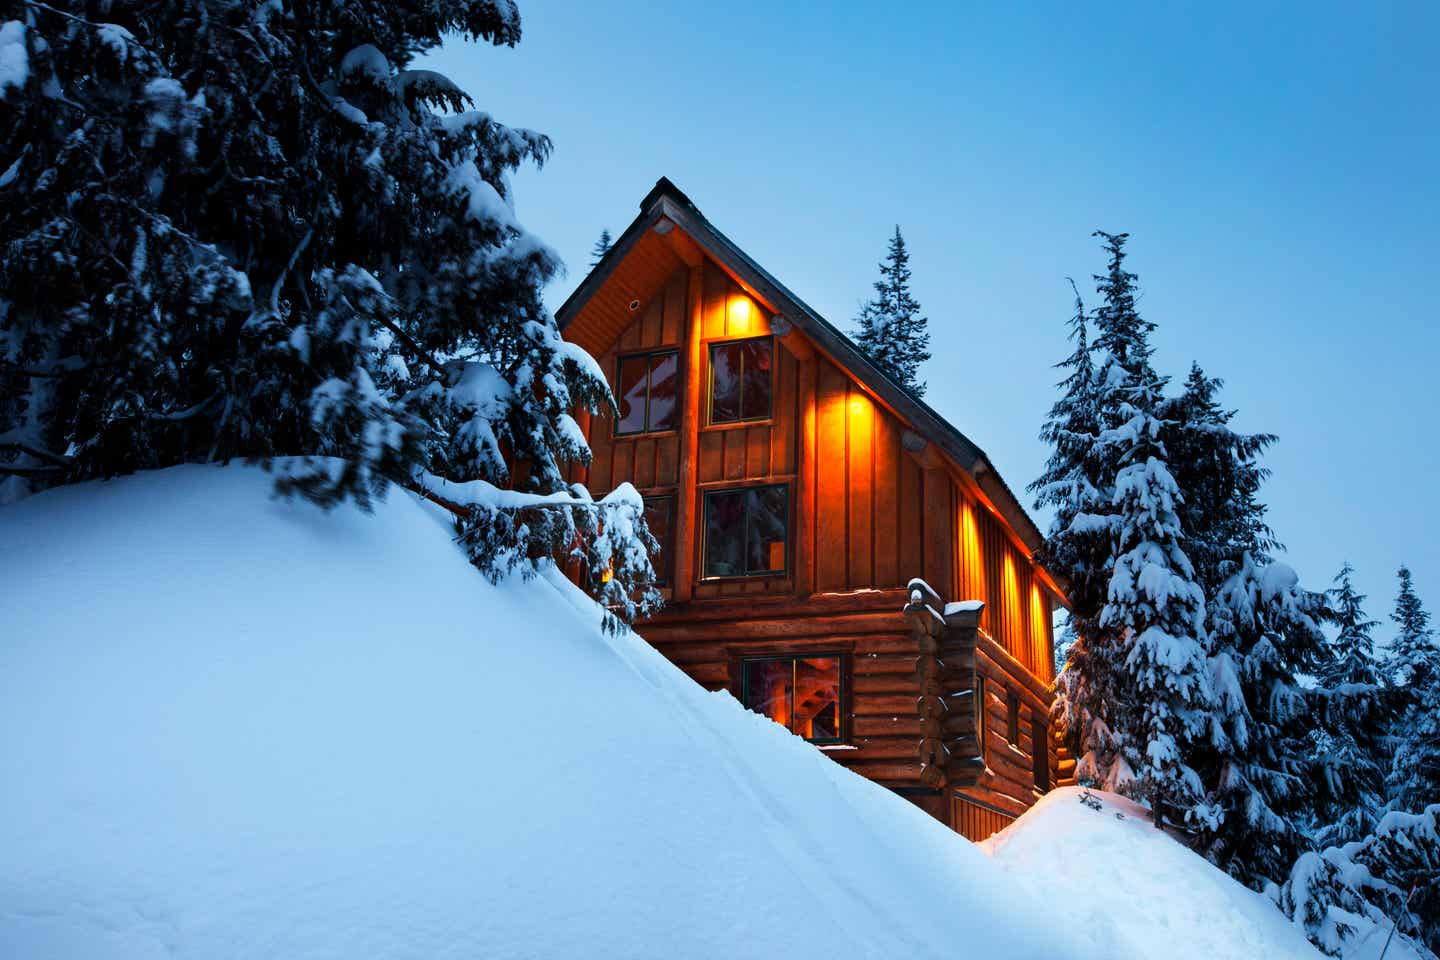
[1275,165]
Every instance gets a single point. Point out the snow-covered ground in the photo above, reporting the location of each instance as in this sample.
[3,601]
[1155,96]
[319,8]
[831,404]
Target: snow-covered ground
[232,726]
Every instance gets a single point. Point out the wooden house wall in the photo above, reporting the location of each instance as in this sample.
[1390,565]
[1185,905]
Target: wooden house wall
[865,516]
[1008,782]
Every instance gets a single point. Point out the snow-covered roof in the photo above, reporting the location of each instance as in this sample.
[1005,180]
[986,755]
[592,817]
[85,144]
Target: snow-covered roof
[667,202]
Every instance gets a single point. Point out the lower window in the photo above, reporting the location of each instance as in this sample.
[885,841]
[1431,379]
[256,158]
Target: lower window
[745,531]
[801,693]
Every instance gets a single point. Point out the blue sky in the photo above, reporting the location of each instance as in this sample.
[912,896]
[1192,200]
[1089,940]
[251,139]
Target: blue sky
[1277,165]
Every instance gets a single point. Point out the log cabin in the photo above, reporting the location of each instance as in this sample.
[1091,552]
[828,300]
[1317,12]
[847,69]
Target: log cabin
[834,553]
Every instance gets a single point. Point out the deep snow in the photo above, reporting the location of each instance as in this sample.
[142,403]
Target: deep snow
[234,726]
[240,727]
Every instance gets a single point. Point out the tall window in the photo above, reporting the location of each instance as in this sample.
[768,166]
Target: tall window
[1012,726]
[659,517]
[980,710]
[741,380]
[1040,750]
[745,531]
[648,383]
[801,693]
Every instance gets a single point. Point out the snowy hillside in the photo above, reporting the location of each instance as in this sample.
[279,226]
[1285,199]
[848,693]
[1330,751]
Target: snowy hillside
[241,727]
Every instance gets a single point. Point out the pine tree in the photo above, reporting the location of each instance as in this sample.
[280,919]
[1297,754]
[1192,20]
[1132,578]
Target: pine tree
[602,247]
[1363,891]
[256,232]
[1136,694]
[1220,471]
[892,332]
[1356,707]
[1070,483]
[1414,662]
[1261,765]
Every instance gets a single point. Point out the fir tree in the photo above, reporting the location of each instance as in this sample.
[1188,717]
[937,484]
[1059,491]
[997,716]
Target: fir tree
[1071,482]
[1136,694]
[892,332]
[1260,765]
[602,247]
[1414,662]
[256,232]
[1356,707]
[1220,471]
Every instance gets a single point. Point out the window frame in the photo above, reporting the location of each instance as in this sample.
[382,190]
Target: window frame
[649,356]
[704,522]
[710,420]
[841,691]
[663,577]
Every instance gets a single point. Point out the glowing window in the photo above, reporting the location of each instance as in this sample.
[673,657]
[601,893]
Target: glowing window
[801,693]
[647,391]
[745,531]
[741,381]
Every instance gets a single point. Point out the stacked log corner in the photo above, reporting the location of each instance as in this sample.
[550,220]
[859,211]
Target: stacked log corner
[945,678]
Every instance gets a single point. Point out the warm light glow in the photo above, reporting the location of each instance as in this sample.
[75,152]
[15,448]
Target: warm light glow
[972,567]
[740,315]
[1010,599]
[1040,629]
[608,575]
[862,423]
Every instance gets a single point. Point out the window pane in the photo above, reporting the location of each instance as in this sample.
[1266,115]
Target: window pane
[755,394]
[768,515]
[817,698]
[657,518]
[724,382]
[725,534]
[767,688]
[633,376]
[662,390]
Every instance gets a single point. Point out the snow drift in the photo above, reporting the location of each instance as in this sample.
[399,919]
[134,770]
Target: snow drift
[1126,889]
[235,726]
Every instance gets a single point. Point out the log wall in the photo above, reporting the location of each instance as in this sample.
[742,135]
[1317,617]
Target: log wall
[870,507]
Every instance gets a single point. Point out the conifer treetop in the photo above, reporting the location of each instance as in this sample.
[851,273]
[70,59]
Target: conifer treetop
[891,330]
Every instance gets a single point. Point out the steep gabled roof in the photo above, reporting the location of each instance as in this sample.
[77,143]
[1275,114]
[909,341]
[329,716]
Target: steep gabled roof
[666,202]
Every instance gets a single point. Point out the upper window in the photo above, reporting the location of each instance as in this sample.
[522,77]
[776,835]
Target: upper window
[800,693]
[659,514]
[745,531]
[741,383]
[648,383]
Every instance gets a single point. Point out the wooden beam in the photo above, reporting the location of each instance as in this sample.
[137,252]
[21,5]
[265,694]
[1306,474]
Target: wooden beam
[805,503]
[680,242]
[686,519]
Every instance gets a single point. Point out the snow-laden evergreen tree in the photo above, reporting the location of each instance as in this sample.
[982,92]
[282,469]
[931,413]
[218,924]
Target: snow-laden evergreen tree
[1355,709]
[1136,694]
[1071,482]
[1360,892]
[1262,632]
[1261,768]
[1413,662]
[891,329]
[1220,471]
[240,230]
[602,247]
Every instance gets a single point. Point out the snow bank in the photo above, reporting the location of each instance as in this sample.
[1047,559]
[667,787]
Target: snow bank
[234,726]
[1130,891]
